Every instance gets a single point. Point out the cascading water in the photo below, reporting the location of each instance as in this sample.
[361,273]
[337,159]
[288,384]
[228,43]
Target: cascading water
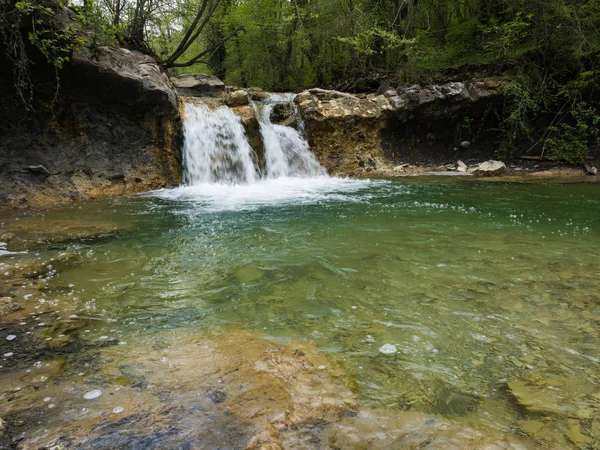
[287,154]
[216,150]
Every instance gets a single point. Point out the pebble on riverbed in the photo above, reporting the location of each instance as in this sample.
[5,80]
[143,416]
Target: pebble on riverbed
[92,394]
[388,349]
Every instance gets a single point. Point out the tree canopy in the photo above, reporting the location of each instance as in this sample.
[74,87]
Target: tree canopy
[548,50]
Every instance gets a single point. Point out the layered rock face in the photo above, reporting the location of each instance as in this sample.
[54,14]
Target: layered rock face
[112,129]
[423,124]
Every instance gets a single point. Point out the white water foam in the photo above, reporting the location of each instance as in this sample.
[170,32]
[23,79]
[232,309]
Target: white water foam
[269,192]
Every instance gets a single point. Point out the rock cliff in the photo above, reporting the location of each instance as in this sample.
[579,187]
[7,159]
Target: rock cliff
[112,129]
[421,124]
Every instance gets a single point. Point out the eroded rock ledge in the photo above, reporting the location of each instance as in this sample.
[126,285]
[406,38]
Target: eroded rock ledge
[351,134]
[113,129]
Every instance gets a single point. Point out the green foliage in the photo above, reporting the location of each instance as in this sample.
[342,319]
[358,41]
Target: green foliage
[571,141]
[504,37]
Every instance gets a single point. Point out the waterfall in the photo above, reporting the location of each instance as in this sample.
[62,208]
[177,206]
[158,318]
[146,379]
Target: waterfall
[287,154]
[215,147]
[216,150]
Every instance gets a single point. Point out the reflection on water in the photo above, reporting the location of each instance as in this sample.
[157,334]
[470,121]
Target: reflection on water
[488,292]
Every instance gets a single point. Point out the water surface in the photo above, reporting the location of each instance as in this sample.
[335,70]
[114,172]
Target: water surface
[475,284]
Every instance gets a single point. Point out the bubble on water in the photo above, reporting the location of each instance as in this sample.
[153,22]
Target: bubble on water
[11,337]
[388,349]
[92,394]
[118,410]
[8,354]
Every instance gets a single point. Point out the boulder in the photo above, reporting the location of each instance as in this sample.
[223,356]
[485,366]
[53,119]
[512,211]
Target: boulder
[237,98]
[127,77]
[199,85]
[489,169]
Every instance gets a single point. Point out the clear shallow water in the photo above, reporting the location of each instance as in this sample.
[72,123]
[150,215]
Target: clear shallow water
[476,284]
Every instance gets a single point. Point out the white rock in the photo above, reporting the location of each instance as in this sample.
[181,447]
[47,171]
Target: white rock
[118,410]
[11,337]
[92,394]
[388,349]
[489,168]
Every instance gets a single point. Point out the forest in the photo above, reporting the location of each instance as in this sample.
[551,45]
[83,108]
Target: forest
[546,50]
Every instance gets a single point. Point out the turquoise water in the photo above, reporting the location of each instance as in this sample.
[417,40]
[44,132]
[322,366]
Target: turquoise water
[476,284]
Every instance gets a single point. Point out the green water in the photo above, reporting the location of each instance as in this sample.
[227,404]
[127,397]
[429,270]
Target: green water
[476,284]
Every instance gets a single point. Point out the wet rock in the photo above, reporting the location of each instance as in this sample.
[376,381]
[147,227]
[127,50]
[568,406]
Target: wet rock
[199,85]
[461,166]
[217,396]
[375,429]
[249,273]
[281,112]
[465,144]
[575,435]
[489,168]
[237,98]
[549,397]
[8,305]
[258,94]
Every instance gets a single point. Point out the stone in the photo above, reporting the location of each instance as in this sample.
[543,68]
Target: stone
[461,166]
[199,85]
[237,98]
[91,395]
[258,94]
[7,305]
[388,349]
[129,76]
[465,144]
[3,427]
[550,397]
[531,427]
[589,169]
[344,128]
[575,435]
[489,168]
